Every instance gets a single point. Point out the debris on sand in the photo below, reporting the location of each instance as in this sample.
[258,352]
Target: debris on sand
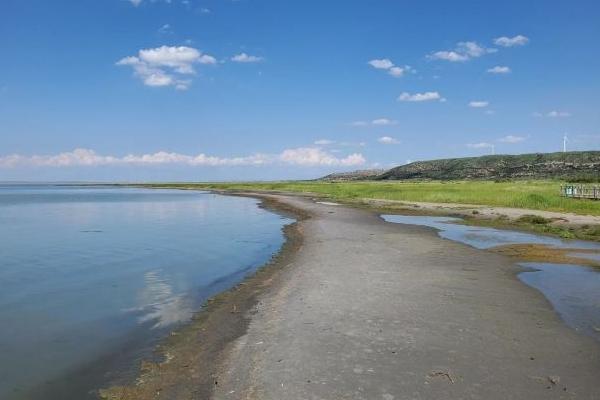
[446,374]
[554,379]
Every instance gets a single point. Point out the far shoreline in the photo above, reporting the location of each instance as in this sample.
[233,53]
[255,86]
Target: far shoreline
[560,224]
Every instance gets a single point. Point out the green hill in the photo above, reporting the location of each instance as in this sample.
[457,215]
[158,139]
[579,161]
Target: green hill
[363,174]
[575,166]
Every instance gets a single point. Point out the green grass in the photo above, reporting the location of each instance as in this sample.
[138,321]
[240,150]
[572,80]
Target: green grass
[534,195]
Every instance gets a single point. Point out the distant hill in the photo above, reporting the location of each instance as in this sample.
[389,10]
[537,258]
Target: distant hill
[364,174]
[580,165]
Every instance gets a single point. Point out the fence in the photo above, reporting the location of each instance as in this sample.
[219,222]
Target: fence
[580,191]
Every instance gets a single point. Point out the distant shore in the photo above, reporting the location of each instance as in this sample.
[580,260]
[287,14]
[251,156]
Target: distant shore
[354,307]
[526,205]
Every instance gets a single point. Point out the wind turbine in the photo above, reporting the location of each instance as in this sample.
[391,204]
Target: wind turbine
[565,140]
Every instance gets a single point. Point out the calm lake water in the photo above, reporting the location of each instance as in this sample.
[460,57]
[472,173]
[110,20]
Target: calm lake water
[573,290]
[92,277]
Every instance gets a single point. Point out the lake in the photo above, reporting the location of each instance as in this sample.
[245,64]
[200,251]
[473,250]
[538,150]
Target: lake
[92,277]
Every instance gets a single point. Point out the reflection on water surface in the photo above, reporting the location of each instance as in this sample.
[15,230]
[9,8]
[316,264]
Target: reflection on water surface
[87,272]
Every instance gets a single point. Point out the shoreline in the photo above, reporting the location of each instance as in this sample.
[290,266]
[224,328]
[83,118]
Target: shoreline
[552,223]
[220,321]
[374,309]
[118,362]
[198,357]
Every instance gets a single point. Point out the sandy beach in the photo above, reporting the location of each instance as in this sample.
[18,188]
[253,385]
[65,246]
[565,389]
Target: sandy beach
[358,308]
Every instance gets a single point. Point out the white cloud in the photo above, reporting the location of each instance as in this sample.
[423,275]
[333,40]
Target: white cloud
[86,157]
[324,142]
[463,51]
[165,29]
[481,145]
[246,58]
[135,2]
[397,71]
[479,104]
[180,58]
[449,56]
[553,114]
[558,114]
[511,139]
[312,156]
[165,65]
[383,63]
[473,50]
[352,144]
[418,97]
[375,122]
[388,140]
[499,70]
[388,65]
[383,121]
[518,40]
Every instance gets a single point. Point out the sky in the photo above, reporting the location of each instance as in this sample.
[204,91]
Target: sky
[205,90]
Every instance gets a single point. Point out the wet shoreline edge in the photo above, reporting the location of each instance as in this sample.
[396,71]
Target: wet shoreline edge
[191,353]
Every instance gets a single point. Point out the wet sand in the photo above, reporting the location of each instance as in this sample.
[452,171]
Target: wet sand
[357,308]
[547,254]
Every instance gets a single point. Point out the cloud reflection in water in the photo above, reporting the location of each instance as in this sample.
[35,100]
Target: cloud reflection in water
[159,303]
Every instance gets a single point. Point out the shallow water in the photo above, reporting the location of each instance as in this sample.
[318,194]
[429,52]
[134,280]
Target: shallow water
[484,237]
[92,277]
[573,290]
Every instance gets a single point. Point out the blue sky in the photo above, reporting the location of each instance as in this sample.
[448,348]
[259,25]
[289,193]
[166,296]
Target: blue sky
[250,89]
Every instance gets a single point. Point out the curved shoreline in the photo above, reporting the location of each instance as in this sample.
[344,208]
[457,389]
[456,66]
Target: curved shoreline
[190,355]
[549,223]
[376,310]
[368,306]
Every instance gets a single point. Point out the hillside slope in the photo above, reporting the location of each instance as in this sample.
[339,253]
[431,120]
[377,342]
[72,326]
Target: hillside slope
[584,165]
[364,174]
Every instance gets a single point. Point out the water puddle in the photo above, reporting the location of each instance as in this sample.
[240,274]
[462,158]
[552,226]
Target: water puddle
[327,203]
[573,289]
[484,237]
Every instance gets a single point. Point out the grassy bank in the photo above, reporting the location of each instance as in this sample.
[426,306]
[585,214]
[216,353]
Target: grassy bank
[534,195]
